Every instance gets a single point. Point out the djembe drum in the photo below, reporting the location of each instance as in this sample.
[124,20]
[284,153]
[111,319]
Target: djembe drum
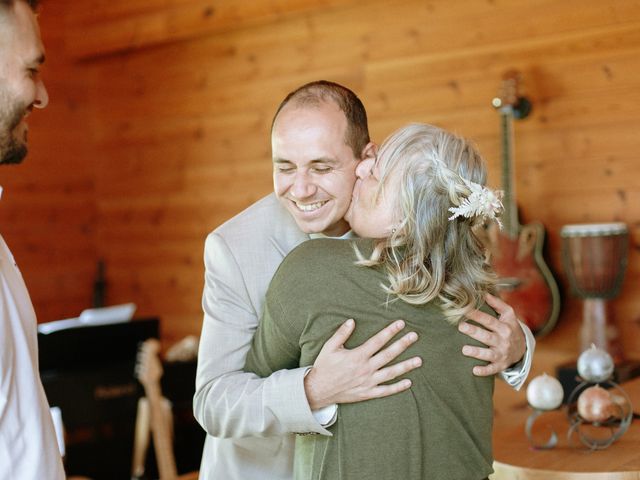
[595,259]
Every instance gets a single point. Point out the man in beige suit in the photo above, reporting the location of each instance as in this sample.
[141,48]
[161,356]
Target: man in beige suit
[319,135]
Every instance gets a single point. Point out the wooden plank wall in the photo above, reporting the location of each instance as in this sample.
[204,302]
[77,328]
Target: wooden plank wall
[161,114]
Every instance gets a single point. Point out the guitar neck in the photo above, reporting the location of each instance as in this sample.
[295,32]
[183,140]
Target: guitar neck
[161,434]
[510,216]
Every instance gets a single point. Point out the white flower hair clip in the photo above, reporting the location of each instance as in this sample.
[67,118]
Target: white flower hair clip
[482,201]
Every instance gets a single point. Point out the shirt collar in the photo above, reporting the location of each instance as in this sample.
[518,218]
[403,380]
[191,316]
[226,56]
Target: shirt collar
[346,236]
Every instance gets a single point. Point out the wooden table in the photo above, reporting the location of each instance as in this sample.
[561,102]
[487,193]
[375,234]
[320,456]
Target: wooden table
[516,459]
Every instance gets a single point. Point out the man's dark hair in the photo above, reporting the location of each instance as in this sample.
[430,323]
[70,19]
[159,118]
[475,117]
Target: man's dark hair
[9,3]
[314,93]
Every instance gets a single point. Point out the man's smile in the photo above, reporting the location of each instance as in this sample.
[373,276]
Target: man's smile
[309,207]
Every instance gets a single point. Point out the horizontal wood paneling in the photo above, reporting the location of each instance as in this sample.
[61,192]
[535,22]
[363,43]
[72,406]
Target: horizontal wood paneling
[122,26]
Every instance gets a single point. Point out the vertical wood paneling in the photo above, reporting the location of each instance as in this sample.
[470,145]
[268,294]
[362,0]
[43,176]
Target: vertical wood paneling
[158,129]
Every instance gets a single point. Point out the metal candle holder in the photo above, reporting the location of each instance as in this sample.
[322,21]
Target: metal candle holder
[589,406]
[528,428]
[617,424]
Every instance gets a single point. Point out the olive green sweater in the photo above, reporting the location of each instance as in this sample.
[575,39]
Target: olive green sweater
[438,429]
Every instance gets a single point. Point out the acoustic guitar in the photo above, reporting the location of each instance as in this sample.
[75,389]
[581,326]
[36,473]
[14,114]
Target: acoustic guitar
[525,281]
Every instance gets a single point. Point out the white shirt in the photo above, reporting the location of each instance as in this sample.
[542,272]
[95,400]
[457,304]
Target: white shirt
[516,375]
[28,446]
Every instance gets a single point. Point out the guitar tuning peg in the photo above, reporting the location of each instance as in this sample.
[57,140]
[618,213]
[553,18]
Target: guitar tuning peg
[522,108]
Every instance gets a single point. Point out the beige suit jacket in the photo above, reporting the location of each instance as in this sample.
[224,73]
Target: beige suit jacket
[248,420]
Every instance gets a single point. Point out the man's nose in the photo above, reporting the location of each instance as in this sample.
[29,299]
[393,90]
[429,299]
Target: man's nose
[42,96]
[302,186]
[363,170]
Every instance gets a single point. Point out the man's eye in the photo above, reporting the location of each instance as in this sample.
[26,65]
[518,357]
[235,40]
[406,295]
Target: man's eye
[285,169]
[322,169]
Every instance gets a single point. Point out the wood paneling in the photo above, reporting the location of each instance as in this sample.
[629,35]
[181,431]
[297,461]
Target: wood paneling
[110,27]
[158,128]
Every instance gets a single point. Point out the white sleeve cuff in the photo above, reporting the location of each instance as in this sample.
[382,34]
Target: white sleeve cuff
[326,416]
[516,375]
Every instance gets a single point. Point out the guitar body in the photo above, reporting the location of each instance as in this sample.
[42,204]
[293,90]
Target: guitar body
[524,279]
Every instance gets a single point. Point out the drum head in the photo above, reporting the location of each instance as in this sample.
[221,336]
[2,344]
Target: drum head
[594,229]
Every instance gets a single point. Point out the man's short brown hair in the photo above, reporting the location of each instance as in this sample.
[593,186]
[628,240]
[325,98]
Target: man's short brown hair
[314,93]
[9,3]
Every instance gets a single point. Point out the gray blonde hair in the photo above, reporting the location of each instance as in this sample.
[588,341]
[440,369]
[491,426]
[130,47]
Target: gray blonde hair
[428,256]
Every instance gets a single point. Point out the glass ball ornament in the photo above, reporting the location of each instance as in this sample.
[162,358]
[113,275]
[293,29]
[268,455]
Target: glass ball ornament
[595,365]
[545,392]
[595,405]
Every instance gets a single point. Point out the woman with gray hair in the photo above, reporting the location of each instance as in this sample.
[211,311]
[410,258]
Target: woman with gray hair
[418,208]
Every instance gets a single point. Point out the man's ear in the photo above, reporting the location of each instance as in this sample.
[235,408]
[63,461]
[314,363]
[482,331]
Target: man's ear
[369,151]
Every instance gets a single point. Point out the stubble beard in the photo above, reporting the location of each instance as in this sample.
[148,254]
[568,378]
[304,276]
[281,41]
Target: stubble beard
[12,149]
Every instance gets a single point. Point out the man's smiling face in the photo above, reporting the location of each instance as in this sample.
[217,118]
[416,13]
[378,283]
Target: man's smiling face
[313,167]
[21,88]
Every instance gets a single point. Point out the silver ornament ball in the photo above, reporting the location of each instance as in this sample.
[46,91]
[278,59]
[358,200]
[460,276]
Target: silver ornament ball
[595,365]
[545,393]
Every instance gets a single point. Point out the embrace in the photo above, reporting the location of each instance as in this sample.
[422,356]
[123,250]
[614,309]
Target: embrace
[404,250]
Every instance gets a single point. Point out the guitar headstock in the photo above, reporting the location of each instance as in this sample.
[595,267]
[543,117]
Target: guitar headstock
[510,99]
[148,369]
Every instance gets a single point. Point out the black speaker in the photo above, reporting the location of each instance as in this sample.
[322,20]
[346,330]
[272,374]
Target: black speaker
[88,372]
